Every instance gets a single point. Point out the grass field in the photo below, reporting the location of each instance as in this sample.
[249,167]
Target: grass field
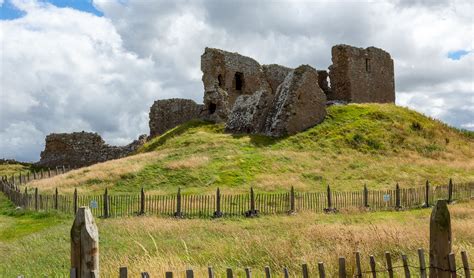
[373,144]
[37,244]
[14,169]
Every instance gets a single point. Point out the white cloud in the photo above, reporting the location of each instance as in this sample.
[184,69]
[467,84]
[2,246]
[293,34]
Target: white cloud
[65,70]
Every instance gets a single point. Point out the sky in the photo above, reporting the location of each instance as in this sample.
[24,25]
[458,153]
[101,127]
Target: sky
[98,65]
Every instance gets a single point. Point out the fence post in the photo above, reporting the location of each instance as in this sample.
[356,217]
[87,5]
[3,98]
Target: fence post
[49,172]
[178,212]
[304,269]
[286,274]
[85,244]
[397,197]
[123,272]
[20,177]
[34,174]
[366,196]
[292,201]
[169,274]
[358,273]
[450,191]
[75,201]
[329,197]
[440,240]
[56,169]
[25,198]
[465,264]
[106,203]
[322,272]
[452,265]
[210,272]
[56,205]
[189,273]
[218,212]
[142,201]
[372,266]
[342,267]
[229,273]
[405,266]
[252,212]
[268,274]
[248,272]
[36,198]
[42,173]
[427,195]
[421,258]
[64,169]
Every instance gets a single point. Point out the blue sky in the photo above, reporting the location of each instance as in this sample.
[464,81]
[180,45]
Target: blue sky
[9,11]
[457,54]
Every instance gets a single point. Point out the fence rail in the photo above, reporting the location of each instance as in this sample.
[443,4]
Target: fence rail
[27,176]
[251,204]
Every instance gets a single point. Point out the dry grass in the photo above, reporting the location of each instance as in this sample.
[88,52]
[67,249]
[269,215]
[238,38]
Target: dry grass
[191,162]
[98,176]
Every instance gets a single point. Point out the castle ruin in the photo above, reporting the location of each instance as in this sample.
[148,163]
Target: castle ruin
[249,98]
[274,100]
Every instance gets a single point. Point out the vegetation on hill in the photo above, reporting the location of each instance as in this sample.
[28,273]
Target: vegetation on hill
[374,144]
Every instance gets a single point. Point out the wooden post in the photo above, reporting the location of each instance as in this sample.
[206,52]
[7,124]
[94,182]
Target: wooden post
[218,212]
[358,273]
[322,272]
[452,265]
[106,204]
[34,175]
[20,178]
[372,266]
[85,244]
[123,272]
[421,258]
[342,267]
[169,274]
[366,196]
[147,275]
[142,202]
[49,172]
[268,274]
[25,198]
[56,205]
[292,201]
[465,264]
[304,269]
[286,274]
[36,199]
[397,197]
[427,195]
[210,272]
[329,197]
[388,259]
[75,200]
[229,273]
[450,191]
[248,272]
[440,240]
[64,169]
[405,266]
[178,212]
[252,212]
[189,273]
[56,170]
[42,173]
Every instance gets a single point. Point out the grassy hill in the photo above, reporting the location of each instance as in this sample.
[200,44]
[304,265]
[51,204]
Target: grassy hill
[374,144]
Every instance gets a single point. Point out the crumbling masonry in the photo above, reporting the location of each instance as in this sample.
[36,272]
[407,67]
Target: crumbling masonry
[274,100]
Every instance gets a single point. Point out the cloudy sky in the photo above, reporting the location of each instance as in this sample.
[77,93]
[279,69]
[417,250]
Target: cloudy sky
[73,65]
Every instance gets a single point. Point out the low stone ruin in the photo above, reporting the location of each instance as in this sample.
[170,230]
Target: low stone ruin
[274,100]
[80,149]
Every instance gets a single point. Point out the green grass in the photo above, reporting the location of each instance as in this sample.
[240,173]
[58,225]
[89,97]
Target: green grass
[374,144]
[41,246]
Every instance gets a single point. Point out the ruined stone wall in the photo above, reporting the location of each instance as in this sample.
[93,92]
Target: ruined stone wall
[275,75]
[80,149]
[361,75]
[226,76]
[169,113]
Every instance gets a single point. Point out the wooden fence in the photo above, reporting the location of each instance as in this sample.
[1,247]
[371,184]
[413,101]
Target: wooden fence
[25,177]
[442,263]
[251,204]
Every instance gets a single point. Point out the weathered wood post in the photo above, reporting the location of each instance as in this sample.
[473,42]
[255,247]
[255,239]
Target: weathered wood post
[29,177]
[358,272]
[252,212]
[20,179]
[450,191]
[440,240]
[218,212]
[56,170]
[366,196]
[421,258]
[42,173]
[142,202]
[248,272]
[210,272]
[342,267]
[465,264]
[56,204]
[25,198]
[75,200]
[372,264]
[388,259]
[84,245]
[304,270]
[397,197]
[268,273]
[292,201]
[34,175]
[322,272]
[36,198]
[106,203]
[330,207]
[178,212]
[427,195]
[49,173]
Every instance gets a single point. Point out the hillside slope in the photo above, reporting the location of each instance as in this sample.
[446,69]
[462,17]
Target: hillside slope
[357,144]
